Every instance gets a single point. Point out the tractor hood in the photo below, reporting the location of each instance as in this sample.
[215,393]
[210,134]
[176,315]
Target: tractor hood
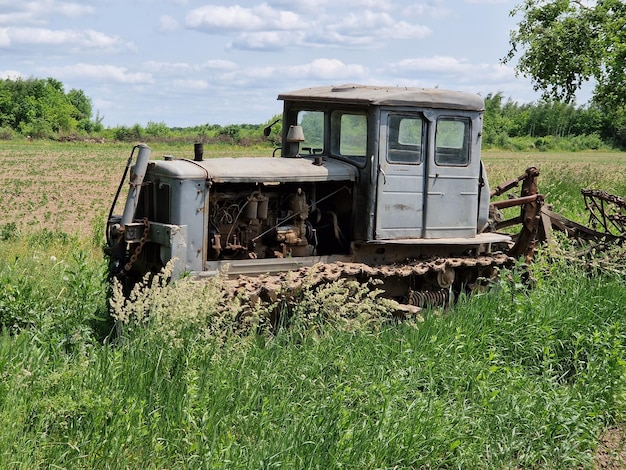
[255,170]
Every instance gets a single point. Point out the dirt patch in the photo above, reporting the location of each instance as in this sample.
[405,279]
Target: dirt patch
[611,453]
[69,186]
[59,187]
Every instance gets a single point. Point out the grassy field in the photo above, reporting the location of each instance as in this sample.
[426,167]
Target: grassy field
[68,186]
[512,378]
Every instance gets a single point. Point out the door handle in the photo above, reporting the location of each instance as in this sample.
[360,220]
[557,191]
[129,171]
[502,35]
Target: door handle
[380,169]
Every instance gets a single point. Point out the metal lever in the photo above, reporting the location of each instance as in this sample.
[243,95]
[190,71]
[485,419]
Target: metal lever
[380,168]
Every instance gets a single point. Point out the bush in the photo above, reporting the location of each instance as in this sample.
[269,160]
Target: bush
[128,134]
[6,133]
[586,142]
[37,129]
[157,129]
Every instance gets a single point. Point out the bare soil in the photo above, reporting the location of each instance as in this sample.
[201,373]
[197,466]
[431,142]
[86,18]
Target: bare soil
[611,454]
[62,187]
[69,186]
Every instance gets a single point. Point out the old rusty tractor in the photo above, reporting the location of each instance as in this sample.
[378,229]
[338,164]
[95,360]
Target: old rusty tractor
[381,183]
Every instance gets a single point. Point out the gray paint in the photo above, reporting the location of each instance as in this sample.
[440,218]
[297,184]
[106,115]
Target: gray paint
[257,170]
[388,96]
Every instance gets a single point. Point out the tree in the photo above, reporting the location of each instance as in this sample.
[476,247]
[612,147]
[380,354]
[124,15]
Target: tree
[81,103]
[563,43]
[40,107]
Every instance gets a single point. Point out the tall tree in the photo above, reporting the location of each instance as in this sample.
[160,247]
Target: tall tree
[81,103]
[40,107]
[564,43]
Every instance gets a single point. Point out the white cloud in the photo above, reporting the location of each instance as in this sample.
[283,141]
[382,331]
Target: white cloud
[72,38]
[265,28]
[179,68]
[40,11]
[214,18]
[382,5]
[446,66]
[17,18]
[71,10]
[168,24]
[99,103]
[363,28]
[13,74]
[363,22]
[5,39]
[267,40]
[168,68]
[304,6]
[431,9]
[318,6]
[326,69]
[191,85]
[318,69]
[404,30]
[99,73]
[218,64]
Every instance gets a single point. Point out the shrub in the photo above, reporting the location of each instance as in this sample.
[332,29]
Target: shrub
[6,133]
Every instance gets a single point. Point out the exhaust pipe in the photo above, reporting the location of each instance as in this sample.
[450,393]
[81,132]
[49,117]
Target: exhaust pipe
[136,179]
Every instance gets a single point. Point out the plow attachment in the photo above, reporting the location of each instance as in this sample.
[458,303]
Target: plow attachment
[606,224]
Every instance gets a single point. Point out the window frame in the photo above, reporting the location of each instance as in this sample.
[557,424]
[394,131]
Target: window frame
[464,150]
[336,127]
[405,147]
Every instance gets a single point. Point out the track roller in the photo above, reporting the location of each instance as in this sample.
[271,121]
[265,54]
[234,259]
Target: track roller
[429,298]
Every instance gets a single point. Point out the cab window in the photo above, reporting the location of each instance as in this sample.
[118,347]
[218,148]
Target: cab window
[349,135]
[452,142]
[312,123]
[404,139]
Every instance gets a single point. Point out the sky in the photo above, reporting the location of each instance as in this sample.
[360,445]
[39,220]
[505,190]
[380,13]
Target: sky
[193,62]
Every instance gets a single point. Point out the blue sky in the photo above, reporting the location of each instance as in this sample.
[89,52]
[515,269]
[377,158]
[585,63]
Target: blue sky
[189,62]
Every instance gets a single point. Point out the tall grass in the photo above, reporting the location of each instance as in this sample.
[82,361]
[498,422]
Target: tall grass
[509,378]
[515,377]
[52,285]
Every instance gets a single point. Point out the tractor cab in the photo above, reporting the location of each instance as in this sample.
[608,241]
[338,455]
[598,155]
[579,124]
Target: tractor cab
[417,152]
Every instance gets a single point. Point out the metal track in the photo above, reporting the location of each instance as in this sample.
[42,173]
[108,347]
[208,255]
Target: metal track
[288,284]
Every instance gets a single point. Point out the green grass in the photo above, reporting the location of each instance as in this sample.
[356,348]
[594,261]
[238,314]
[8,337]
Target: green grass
[511,378]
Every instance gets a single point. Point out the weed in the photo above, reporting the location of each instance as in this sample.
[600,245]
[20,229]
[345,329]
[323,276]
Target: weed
[9,231]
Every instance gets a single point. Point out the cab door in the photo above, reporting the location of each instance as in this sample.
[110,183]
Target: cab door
[452,182]
[400,180]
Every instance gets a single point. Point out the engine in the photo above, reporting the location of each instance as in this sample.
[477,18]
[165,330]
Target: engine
[271,223]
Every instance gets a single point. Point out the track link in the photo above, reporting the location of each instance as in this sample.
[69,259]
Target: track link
[272,287]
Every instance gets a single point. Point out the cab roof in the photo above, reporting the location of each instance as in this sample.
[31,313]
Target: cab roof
[388,96]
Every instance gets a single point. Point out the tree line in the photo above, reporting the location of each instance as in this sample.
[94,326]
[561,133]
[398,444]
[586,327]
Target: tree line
[547,125]
[40,108]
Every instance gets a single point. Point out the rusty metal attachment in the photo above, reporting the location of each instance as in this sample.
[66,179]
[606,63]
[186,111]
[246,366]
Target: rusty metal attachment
[146,231]
[530,202]
[606,224]
[607,212]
